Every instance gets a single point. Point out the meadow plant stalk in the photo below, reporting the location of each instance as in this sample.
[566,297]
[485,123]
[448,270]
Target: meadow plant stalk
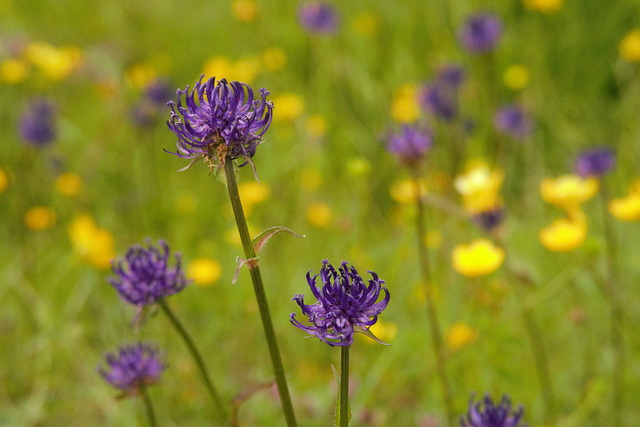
[344,386]
[258,287]
[148,406]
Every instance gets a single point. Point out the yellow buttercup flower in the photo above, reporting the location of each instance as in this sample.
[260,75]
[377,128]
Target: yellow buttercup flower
[204,271]
[4,181]
[13,71]
[93,244]
[245,69]
[460,335]
[568,191]
[478,258]
[516,77]
[405,107]
[274,59]
[140,75]
[55,63]
[68,184]
[404,191]
[543,5]
[627,208]
[218,67]
[245,10]
[289,106]
[40,218]
[319,214]
[479,188]
[252,193]
[564,234]
[629,47]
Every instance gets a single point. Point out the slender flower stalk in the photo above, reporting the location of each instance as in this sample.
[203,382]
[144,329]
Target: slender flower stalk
[344,386]
[258,287]
[151,415]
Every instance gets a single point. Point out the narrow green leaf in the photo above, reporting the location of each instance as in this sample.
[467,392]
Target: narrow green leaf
[260,240]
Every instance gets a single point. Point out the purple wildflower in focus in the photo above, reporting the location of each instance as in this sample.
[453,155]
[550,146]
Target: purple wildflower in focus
[410,145]
[37,124]
[144,276]
[513,120]
[492,415]
[481,32]
[595,162]
[345,304]
[132,368]
[318,17]
[222,121]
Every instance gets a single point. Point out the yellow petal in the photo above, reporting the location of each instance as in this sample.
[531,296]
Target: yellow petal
[40,218]
[460,335]
[626,209]
[568,190]
[563,235]
[478,258]
[204,271]
[629,47]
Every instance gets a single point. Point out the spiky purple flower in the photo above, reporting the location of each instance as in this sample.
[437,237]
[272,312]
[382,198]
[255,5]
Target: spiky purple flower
[37,123]
[492,415]
[221,121]
[481,32]
[145,276]
[133,367]
[595,162]
[345,304]
[318,17]
[513,120]
[410,144]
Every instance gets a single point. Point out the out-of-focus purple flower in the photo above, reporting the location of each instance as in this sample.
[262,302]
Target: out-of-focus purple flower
[148,109]
[158,92]
[481,32]
[489,219]
[440,97]
[410,145]
[345,304]
[451,75]
[595,162]
[144,276]
[37,123]
[133,367]
[222,121]
[513,120]
[492,415]
[318,17]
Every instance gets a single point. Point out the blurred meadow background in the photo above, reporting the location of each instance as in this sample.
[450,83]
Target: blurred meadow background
[83,176]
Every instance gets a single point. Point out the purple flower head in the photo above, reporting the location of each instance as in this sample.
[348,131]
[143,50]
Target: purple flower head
[144,276]
[158,92]
[492,415]
[440,100]
[345,304]
[410,145]
[595,162]
[222,121]
[451,75]
[318,17]
[481,32]
[147,111]
[37,124]
[133,367]
[513,120]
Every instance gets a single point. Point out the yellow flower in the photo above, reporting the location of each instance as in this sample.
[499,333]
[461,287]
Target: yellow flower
[568,191]
[319,214]
[564,234]
[245,10]
[289,107]
[460,335]
[546,6]
[629,47]
[4,181]
[404,191]
[140,75]
[218,67]
[479,188]
[40,218]
[478,258]
[68,184]
[384,331]
[274,59]
[93,244]
[252,193]
[627,208]
[405,107]
[366,24]
[516,77]
[13,71]
[55,63]
[245,69]
[204,271]
[316,125]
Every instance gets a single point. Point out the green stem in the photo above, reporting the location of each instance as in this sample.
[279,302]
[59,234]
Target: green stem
[197,357]
[344,386]
[148,406]
[261,297]
[436,334]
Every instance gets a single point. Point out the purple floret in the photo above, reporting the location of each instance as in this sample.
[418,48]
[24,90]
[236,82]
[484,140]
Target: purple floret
[595,162]
[492,415]
[133,367]
[481,32]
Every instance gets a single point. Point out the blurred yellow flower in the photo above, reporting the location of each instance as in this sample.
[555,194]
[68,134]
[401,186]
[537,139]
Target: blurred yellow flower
[627,208]
[384,331]
[316,125]
[140,75]
[629,47]
[479,187]
[218,67]
[4,180]
[460,335]
[564,234]
[204,271]
[546,6]
[40,218]
[245,10]
[245,69]
[405,107]
[289,106]
[274,59]
[568,191]
[319,214]
[516,77]
[366,24]
[358,166]
[478,258]
[252,193]
[55,63]
[93,244]
[310,179]
[404,191]
[68,184]
[13,71]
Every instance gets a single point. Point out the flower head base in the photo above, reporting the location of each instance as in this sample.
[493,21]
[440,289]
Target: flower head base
[513,120]
[595,162]
[492,415]
[221,121]
[144,276]
[481,32]
[37,127]
[345,304]
[410,144]
[318,17]
[132,368]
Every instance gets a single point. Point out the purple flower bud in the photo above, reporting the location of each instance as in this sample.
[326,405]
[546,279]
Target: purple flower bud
[481,32]
[513,120]
[133,367]
[410,145]
[318,17]
[37,124]
[492,415]
[595,162]
[345,304]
